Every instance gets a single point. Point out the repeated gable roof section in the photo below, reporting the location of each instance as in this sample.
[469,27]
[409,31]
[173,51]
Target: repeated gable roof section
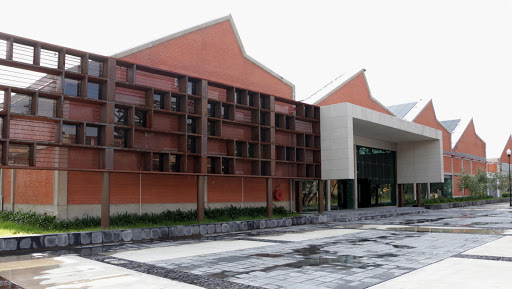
[213,51]
[504,156]
[465,140]
[352,88]
[424,113]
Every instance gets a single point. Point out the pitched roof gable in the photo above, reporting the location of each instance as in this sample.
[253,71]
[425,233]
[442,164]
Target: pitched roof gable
[504,157]
[176,35]
[334,86]
[461,130]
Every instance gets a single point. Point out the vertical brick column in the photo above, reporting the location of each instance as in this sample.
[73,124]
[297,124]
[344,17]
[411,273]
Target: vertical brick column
[269,197]
[105,200]
[299,196]
[201,180]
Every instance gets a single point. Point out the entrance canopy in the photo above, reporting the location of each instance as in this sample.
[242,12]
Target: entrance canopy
[419,152]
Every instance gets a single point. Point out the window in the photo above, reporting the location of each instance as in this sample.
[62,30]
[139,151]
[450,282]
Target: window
[121,116]
[19,155]
[225,166]
[251,150]
[46,107]
[263,135]
[210,166]
[251,99]
[158,101]
[158,162]
[287,153]
[69,134]
[72,87]
[94,90]
[287,123]
[191,145]
[211,128]
[21,103]
[239,149]
[192,87]
[238,96]
[211,109]
[263,102]
[225,112]
[92,135]
[95,68]
[278,118]
[120,138]
[191,125]
[140,118]
[175,103]
[174,163]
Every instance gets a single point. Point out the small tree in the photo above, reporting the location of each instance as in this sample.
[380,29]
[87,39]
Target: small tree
[464,182]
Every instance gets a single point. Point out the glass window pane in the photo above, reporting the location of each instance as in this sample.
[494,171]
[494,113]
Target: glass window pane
[47,107]
[92,135]
[21,103]
[94,90]
[71,87]
[69,134]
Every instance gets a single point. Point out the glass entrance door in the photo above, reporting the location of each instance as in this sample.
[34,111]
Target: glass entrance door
[376,177]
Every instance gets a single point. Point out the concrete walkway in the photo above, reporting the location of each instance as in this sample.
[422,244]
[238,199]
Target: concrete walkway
[457,248]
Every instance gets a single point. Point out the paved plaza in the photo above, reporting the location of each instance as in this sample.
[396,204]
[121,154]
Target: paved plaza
[454,248]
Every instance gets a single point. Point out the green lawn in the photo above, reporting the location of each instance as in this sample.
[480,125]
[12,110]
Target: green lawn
[8,229]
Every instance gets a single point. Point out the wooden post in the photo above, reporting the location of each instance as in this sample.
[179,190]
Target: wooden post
[400,195]
[418,194]
[200,198]
[320,196]
[13,188]
[105,200]
[269,197]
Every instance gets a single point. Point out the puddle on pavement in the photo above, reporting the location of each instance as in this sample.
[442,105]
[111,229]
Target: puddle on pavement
[420,221]
[267,255]
[448,230]
[386,255]
[403,246]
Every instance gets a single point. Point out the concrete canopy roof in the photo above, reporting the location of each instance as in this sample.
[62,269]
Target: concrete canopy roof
[386,133]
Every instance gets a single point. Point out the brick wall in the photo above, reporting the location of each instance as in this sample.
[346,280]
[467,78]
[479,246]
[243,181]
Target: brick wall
[356,92]
[31,187]
[212,53]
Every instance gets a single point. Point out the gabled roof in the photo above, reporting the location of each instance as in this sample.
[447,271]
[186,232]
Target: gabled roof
[401,110]
[508,145]
[460,129]
[414,109]
[199,27]
[451,124]
[338,83]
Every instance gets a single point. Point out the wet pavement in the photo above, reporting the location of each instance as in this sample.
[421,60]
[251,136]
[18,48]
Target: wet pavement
[406,251]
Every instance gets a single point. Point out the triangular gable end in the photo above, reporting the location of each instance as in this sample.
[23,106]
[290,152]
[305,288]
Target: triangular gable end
[430,105]
[354,90]
[212,51]
[427,116]
[508,145]
[470,128]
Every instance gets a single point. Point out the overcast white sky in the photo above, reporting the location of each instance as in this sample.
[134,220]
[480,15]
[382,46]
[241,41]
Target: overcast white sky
[459,53]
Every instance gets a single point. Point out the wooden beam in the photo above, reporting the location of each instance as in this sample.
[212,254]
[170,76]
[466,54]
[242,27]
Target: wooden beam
[105,200]
[37,54]
[400,195]
[298,198]
[9,49]
[269,198]
[418,194]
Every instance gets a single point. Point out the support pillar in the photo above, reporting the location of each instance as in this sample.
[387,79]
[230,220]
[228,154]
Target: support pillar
[400,195]
[328,191]
[418,194]
[60,191]
[200,198]
[320,196]
[298,191]
[13,187]
[1,189]
[428,191]
[269,197]
[105,200]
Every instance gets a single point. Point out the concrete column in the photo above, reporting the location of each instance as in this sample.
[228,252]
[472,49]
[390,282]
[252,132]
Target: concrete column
[105,200]
[400,195]
[269,197]
[200,197]
[355,178]
[414,190]
[13,187]
[428,190]
[299,197]
[60,191]
[418,194]
[320,196]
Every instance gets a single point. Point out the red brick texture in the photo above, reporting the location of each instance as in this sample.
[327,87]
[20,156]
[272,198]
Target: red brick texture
[427,117]
[355,91]
[470,143]
[212,53]
[508,146]
[31,187]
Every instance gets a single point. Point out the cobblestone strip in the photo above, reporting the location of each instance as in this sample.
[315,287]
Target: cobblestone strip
[482,257]
[180,276]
